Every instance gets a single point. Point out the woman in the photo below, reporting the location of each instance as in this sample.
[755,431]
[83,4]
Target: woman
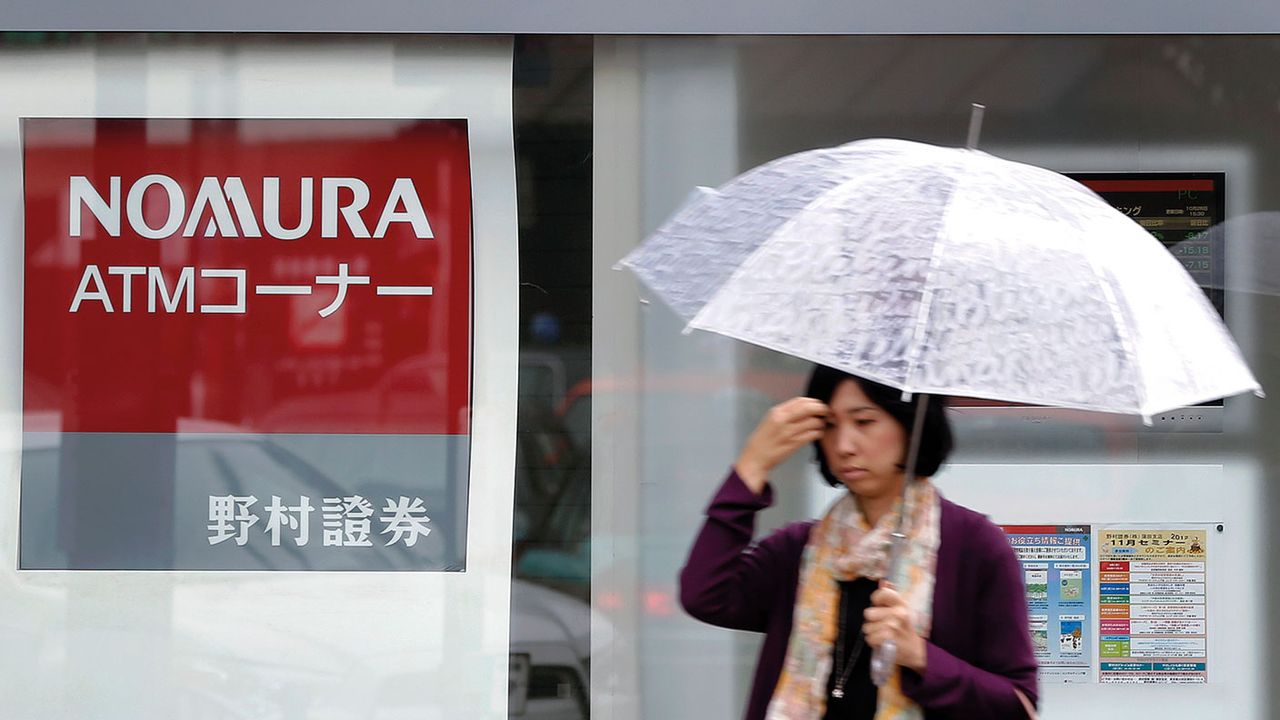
[958,617]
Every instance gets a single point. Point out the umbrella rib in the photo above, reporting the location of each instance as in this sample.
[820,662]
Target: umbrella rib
[1122,329]
[823,198]
[1122,326]
[916,348]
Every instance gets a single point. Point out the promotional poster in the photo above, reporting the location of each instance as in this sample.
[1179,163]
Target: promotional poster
[1058,577]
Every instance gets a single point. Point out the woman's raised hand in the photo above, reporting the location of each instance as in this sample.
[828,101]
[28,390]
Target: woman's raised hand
[787,427]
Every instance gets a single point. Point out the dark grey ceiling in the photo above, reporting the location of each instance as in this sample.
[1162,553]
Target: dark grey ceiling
[650,17]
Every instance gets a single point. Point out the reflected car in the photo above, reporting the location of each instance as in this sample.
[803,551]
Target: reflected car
[557,684]
[290,665]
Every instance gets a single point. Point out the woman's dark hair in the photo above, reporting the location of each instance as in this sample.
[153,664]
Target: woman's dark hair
[935,436]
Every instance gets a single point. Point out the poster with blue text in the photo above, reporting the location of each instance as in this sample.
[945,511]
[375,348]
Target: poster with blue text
[1056,572]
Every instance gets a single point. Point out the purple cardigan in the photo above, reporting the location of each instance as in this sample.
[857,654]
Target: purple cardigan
[980,647]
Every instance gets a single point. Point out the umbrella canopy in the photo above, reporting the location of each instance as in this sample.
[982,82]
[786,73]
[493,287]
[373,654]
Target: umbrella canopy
[948,271]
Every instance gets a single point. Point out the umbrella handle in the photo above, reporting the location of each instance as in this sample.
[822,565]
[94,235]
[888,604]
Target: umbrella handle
[883,659]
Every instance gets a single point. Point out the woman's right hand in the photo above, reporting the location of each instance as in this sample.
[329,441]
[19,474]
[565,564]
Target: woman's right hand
[784,429]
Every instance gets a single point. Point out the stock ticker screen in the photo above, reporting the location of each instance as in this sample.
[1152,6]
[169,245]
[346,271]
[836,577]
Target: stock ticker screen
[1178,209]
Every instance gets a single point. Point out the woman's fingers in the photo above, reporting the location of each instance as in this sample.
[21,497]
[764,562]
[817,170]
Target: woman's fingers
[793,422]
[882,622]
[886,596]
[809,437]
[801,409]
[876,617]
[786,412]
[805,422]
[807,430]
[805,405]
[875,639]
[877,634]
[875,614]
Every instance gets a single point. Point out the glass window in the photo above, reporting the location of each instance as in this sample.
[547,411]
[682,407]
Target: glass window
[677,113]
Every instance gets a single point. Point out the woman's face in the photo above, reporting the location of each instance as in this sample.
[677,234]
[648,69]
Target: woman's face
[863,444]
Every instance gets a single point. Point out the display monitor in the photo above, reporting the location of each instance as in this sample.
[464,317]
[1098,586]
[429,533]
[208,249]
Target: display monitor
[1177,208]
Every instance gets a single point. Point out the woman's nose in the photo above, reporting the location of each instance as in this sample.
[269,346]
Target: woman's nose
[846,443]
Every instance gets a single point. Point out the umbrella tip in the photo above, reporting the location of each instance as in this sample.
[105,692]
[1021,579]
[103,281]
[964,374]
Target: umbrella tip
[1260,393]
[1146,421]
[975,125]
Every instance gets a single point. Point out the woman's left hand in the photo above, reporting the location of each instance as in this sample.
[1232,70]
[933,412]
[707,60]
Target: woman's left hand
[890,617]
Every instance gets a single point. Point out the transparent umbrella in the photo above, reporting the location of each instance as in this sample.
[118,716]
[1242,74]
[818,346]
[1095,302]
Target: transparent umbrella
[946,271]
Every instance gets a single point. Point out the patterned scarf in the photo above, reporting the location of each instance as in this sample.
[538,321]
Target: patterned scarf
[843,547]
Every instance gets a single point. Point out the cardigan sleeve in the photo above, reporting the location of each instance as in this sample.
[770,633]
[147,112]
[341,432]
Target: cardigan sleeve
[1006,660]
[727,580]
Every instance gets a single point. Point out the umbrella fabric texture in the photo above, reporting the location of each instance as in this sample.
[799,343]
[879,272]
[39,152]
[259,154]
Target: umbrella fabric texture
[947,271]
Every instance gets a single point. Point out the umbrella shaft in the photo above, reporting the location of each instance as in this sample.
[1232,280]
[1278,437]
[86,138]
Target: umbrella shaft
[899,536]
[885,657]
[975,125]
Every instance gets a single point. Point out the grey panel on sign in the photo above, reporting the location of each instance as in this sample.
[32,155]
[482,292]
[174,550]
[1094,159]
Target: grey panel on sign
[658,17]
[153,501]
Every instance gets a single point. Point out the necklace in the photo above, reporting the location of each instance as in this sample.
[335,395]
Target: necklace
[843,667]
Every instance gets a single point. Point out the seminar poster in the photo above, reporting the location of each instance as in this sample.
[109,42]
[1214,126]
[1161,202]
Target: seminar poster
[1152,605]
[1057,574]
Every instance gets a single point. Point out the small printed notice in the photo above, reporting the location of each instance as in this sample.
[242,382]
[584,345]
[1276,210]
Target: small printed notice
[1152,605]
[1056,572]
